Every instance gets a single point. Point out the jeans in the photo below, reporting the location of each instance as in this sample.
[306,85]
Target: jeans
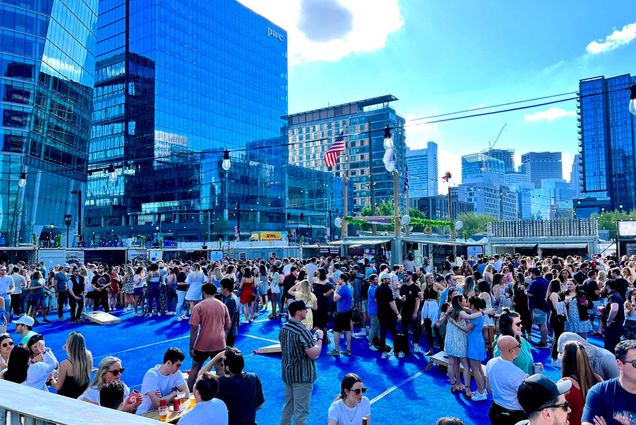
[7,304]
[171,297]
[387,324]
[374,329]
[181,304]
[407,322]
[154,296]
[77,306]
[62,299]
[297,399]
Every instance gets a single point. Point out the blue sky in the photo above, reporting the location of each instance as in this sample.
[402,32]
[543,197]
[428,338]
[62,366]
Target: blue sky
[445,56]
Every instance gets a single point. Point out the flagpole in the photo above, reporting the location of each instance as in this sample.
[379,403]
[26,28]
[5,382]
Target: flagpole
[345,203]
[407,229]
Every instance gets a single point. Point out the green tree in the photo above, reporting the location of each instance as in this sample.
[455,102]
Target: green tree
[607,220]
[474,223]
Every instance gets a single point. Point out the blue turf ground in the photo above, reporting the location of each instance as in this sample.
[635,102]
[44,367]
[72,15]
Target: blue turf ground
[399,389]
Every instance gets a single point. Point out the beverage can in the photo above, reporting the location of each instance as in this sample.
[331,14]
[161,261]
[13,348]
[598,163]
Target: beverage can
[176,404]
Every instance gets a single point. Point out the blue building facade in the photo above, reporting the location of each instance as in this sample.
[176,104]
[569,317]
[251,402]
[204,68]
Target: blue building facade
[47,67]
[476,165]
[178,83]
[607,136]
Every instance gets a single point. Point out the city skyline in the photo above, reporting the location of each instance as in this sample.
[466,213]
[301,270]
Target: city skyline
[388,48]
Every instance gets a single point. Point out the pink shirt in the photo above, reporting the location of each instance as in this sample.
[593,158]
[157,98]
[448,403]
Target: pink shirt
[213,320]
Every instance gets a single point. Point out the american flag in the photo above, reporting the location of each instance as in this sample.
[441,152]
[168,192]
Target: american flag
[406,179]
[338,145]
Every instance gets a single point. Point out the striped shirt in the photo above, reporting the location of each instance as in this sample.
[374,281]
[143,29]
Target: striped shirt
[297,367]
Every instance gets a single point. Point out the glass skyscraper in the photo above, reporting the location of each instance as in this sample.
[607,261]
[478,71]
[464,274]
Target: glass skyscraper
[423,171]
[47,67]
[178,83]
[362,124]
[607,135]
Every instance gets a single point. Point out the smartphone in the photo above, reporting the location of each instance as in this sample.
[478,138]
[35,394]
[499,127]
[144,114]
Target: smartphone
[133,397]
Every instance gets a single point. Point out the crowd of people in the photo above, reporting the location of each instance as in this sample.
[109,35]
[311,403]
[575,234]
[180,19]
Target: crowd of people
[479,311]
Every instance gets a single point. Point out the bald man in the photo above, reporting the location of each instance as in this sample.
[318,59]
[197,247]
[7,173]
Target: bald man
[503,379]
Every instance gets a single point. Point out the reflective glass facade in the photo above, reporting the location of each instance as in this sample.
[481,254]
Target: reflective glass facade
[362,123]
[542,165]
[177,84]
[47,67]
[607,136]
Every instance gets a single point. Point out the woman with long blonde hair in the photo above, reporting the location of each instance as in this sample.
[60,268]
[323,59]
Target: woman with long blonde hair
[109,370]
[302,291]
[75,371]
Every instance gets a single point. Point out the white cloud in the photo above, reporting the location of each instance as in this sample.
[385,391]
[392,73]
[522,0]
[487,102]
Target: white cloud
[613,41]
[448,161]
[418,134]
[549,115]
[356,26]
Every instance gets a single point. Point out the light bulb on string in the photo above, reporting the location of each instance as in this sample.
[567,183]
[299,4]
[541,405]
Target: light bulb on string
[632,99]
[22,182]
[112,176]
[226,164]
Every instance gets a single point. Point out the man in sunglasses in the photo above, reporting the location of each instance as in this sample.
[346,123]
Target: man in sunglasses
[613,402]
[544,401]
[503,379]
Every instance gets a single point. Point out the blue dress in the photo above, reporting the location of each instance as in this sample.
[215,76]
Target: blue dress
[476,344]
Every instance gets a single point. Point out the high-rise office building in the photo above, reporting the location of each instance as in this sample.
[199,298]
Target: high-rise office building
[505,155]
[576,178]
[47,67]
[490,199]
[542,165]
[362,125]
[607,136]
[178,83]
[476,165]
[423,171]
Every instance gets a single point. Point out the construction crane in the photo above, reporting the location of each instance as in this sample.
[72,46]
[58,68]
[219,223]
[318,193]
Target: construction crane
[492,145]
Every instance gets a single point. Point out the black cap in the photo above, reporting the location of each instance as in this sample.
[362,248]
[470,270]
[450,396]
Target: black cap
[410,273]
[537,391]
[296,306]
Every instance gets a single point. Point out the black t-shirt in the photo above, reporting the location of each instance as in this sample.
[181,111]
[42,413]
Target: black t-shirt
[622,286]
[101,281]
[615,297]
[288,283]
[580,277]
[590,287]
[411,291]
[242,394]
[383,298]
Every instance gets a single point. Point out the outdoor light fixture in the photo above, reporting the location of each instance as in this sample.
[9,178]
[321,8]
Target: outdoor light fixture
[111,173]
[22,181]
[632,99]
[388,140]
[338,222]
[226,164]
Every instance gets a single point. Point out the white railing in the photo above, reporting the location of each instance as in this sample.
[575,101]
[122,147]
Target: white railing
[22,405]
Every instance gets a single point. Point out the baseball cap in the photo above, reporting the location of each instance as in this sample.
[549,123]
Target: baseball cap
[24,320]
[536,391]
[410,273]
[296,306]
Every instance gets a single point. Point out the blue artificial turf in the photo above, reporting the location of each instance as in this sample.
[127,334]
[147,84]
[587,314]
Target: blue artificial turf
[399,389]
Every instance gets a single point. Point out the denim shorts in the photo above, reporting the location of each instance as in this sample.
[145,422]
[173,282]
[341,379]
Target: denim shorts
[539,317]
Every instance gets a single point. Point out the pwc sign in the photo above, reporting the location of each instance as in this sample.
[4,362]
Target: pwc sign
[274,34]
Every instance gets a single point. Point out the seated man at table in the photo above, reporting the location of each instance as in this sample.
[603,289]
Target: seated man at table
[208,410]
[163,382]
[112,395]
[241,392]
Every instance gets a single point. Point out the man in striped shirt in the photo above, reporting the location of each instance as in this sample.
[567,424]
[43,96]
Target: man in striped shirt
[300,349]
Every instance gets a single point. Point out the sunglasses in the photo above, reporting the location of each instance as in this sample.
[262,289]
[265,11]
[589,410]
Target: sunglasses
[632,362]
[7,344]
[117,372]
[359,390]
[565,406]
[518,324]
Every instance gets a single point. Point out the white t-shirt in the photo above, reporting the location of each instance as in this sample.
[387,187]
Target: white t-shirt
[154,381]
[89,276]
[212,412]
[345,415]
[504,378]
[19,282]
[38,373]
[92,395]
[5,284]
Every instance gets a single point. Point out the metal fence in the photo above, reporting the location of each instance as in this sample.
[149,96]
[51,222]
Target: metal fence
[543,228]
